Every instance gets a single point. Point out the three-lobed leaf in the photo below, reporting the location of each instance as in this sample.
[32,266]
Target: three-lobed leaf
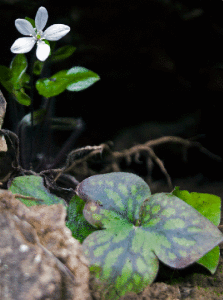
[138,229]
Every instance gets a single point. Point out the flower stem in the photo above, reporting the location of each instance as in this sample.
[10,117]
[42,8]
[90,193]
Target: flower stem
[33,58]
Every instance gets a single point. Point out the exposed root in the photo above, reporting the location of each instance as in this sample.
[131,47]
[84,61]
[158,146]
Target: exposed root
[101,159]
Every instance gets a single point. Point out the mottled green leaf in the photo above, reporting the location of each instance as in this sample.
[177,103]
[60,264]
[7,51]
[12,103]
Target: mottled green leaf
[115,253]
[120,192]
[137,229]
[178,231]
[33,186]
[210,207]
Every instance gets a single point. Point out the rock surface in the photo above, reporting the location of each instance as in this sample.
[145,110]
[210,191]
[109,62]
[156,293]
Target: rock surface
[39,259]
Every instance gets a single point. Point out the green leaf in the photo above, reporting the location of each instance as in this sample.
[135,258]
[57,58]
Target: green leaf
[79,227]
[31,21]
[46,42]
[63,53]
[122,258]
[5,73]
[38,66]
[52,45]
[33,186]
[25,78]
[120,192]
[82,79]
[210,207]
[210,260]
[5,78]
[181,230]
[18,67]
[50,87]
[75,79]
[14,79]
[22,97]
[137,229]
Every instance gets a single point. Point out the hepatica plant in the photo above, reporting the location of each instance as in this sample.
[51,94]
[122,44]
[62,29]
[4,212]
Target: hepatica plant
[21,85]
[15,79]
[136,229]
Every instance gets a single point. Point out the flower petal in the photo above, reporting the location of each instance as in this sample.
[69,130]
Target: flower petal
[41,18]
[24,27]
[56,32]
[23,45]
[42,51]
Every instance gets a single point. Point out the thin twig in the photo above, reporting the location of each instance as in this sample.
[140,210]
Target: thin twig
[27,197]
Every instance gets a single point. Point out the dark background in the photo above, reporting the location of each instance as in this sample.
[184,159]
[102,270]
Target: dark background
[160,63]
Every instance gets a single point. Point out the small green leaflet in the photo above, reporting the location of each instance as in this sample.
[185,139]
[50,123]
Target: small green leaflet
[62,53]
[137,229]
[79,227]
[31,21]
[18,66]
[14,79]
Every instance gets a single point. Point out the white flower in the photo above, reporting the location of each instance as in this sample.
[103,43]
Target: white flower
[36,35]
